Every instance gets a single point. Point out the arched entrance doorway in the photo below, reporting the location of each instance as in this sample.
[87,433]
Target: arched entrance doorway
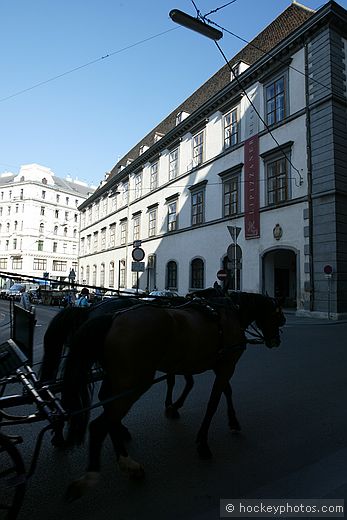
[280,275]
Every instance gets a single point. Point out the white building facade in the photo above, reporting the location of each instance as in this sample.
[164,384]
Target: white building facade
[39,223]
[241,178]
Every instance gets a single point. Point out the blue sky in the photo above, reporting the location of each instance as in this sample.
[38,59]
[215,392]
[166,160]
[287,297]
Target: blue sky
[81,123]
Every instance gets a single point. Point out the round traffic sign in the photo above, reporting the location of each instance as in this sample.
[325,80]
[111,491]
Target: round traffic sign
[328,269]
[138,254]
[222,274]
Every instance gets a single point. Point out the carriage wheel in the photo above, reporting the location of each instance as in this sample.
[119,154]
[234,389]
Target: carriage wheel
[12,479]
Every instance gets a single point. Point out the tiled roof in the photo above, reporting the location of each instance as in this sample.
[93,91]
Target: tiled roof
[289,20]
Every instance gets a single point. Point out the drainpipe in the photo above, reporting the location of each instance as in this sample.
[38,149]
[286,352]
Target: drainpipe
[309,179]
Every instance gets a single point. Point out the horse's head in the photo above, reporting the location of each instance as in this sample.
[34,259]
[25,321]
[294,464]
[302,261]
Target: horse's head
[269,321]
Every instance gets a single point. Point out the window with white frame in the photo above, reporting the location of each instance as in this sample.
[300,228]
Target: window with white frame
[136,227]
[122,273]
[173,164]
[89,242]
[172,216]
[94,274]
[231,196]
[138,185]
[103,239]
[3,263]
[95,241]
[276,100]
[198,148]
[198,203]
[123,232]
[153,176]
[231,128]
[17,263]
[87,274]
[152,222]
[55,247]
[171,275]
[112,235]
[277,181]
[59,265]
[125,193]
[111,275]
[102,275]
[197,269]
[40,264]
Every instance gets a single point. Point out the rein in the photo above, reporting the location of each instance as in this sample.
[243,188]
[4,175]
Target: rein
[257,335]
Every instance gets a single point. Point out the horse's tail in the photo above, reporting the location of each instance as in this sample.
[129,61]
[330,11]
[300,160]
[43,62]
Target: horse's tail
[62,326]
[85,350]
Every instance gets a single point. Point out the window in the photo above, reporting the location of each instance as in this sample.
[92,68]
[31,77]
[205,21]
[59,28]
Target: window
[89,239]
[56,213]
[17,208]
[171,276]
[102,275]
[42,210]
[154,176]
[58,198]
[40,264]
[55,247]
[172,216]
[3,263]
[44,181]
[66,215]
[123,232]
[40,245]
[15,225]
[41,228]
[87,274]
[0,211]
[103,239]
[14,243]
[111,275]
[173,164]
[198,207]
[152,222]
[122,273]
[59,265]
[17,263]
[138,185]
[277,181]
[65,231]
[21,196]
[197,274]
[125,198]
[136,227]
[231,196]
[112,235]
[67,201]
[230,129]
[275,99]
[55,231]
[43,195]
[75,217]
[198,148]
[95,241]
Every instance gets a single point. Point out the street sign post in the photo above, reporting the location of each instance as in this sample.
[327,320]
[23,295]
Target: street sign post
[222,275]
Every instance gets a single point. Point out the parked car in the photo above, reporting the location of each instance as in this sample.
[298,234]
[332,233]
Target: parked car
[165,293]
[15,291]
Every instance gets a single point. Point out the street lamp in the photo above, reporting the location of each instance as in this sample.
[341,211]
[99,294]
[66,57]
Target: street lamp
[195,24]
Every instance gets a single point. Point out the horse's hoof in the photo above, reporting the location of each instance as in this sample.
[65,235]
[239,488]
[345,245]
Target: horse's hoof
[125,434]
[171,412]
[204,451]
[131,468]
[80,487]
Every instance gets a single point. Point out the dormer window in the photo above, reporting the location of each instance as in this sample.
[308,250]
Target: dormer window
[143,148]
[44,181]
[180,116]
[157,137]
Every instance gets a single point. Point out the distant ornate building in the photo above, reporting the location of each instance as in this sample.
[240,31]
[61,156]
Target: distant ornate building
[247,176]
[39,222]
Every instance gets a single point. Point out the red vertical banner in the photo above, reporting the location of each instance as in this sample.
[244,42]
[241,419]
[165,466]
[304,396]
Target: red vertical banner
[251,191]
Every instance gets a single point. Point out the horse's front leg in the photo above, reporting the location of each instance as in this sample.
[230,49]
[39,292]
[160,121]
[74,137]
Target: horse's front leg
[234,424]
[202,437]
[171,409]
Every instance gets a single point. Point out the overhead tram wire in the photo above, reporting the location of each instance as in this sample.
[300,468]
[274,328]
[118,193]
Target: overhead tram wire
[86,64]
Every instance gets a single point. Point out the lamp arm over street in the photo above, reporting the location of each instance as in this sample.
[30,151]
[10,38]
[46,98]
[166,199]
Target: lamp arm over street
[195,24]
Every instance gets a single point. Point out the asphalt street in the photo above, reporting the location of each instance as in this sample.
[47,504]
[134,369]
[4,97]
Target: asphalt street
[291,403]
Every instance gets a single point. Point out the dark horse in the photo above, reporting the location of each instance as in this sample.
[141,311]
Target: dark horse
[135,343]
